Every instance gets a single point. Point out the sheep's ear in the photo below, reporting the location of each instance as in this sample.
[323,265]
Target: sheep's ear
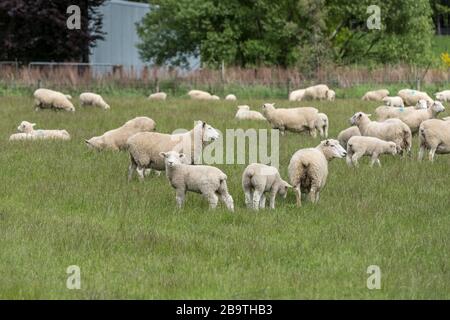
[162,154]
[182,155]
[87,141]
[327,142]
[203,124]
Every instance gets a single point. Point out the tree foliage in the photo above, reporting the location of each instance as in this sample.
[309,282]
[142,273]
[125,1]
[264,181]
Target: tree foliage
[37,30]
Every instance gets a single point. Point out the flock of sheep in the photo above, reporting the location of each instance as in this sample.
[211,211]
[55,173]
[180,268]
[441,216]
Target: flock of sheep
[179,154]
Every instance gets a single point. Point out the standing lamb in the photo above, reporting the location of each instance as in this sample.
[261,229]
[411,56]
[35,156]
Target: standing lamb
[411,97]
[158,96]
[27,132]
[297,95]
[244,113]
[93,99]
[319,92]
[258,179]
[308,168]
[376,95]
[368,146]
[207,180]
[443,96]
[393,102]
[116,139]
[322,124]
[145,147]
[346,134]
[231,97]
[292,119]
[434,135]
[50,99]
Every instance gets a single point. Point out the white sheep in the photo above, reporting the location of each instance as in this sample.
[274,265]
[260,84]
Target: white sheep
[50,99]
[411,97]
[27,132]
[376,95]
[297,95]
[93,99]
[116,139]
[231,97]
[319,92]
[308,168]
[346,134]
[209,181]
[292,119]
[144,148]
[443,96]
[368,146]
[200,95]
[393,101]
[387,112]
[389,130]
[434,135]
[158,96]
[258,179]
[244,113]
[322,124]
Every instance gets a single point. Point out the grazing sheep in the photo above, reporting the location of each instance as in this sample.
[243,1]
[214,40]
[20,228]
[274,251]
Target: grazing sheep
[434,135]
[27,132]
[207,180]
[322,124]
[297,95]
[292,119]
[231,97]
[244,113]
[368,146]
[214,97]
[411,97]
[346,134]
[145,147]
[308,168]
[93,99]
[389,130]
[376,95]
[319,92]
[443,96]
[158,96]
[393,102]
[50,99]
[257,179]
[385,112]
[116,139]
[199,95]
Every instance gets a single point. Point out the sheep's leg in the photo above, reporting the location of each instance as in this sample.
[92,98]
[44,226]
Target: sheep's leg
[262,201]
[256,198]
[180,196]
[348,159]
[355,158]
[379,163]
[374,159]
[248,198]
[312,130]
[213,200]
[140,172]
[317,196]
[298,195]
[431,154]
[282,130]
[131,168]
[421,152]
[227,200]
[272,200]
[312,195]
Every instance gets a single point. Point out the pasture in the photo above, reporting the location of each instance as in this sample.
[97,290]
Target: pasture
[62,204]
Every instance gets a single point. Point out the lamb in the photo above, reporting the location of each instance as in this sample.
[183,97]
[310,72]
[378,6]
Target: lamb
[231,97]
[346,134]
[144,148]
[292,119]
[116,139]
[434,135]
[319,92]
[199,95]
[158,96]
[50,99]
[368,146]
[389,130]
[308,168]
[258,179]
[443,96]
[411,97]
[27,132]
[93,99]
[393,101]
[297,95]
[207,180]
[385,112]
[322,124]
[376,95]
[244,113]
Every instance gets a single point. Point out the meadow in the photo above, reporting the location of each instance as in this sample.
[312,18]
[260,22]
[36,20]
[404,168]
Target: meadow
[62,204]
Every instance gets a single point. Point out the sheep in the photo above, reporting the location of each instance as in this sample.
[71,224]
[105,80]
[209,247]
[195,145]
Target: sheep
[144,148]
[393,101]
[308,168]
[321,124]
[346,134]
[93,99]
[214,97]
[293,119]
[158,96]
[116,139]
[389,130]
[27,132]
[368,146]
[199,95]
[376,95]
[258,179]
[209,181]
[443,96]
[231,97]
[410,97]
[434,135]
[319,92]
[244,113]
[50,99]
[385,112]
[297,95]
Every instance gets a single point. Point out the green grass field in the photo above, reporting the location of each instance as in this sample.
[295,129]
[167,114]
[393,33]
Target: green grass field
[62,204]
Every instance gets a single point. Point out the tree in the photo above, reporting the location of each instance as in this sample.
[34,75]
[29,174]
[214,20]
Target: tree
[37,30]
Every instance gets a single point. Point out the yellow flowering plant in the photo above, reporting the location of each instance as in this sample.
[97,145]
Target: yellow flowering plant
[445,57]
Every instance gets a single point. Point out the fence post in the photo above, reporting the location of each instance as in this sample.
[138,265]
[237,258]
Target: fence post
[418,84]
